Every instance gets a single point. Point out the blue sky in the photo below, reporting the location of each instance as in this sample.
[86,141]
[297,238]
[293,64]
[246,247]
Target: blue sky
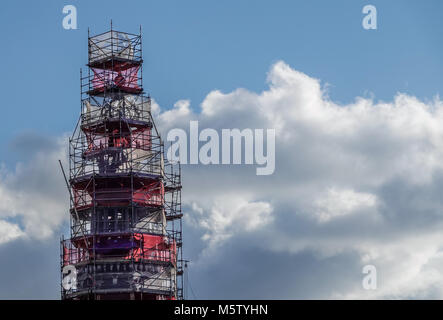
[191,48]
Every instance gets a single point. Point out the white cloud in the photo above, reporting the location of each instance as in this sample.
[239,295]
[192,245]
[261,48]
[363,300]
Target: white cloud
[362,178]
[9,232]
[35,194]
[410,267]
[355,178]
[229,215]
[179,111]
[337,203]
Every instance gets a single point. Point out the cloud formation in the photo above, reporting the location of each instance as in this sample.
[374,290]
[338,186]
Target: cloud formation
[33,196]
[354,184]
[359,179]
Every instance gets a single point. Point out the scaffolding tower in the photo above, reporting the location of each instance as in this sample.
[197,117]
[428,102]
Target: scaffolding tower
[126,220]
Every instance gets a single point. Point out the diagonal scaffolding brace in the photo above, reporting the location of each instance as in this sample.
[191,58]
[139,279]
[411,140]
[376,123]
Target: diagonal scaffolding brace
[72,201]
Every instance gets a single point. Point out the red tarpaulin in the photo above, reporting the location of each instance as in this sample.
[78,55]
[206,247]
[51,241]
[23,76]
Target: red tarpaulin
[144,246]
[154,247]
[141,139]
[124,79]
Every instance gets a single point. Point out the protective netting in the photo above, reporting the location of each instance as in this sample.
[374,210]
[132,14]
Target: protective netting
[114,44]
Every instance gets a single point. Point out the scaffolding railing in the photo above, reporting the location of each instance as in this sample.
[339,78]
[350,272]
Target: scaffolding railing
[111,220]
[114,45]
[110,82]
[116,226]
[117,154]
[119,146]
[123,277]
[103,248]
[151,195]
[128,107]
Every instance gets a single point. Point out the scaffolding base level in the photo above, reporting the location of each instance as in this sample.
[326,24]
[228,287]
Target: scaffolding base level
[118,296]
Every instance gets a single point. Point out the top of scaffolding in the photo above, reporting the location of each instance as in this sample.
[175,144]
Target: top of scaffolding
[113,49]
